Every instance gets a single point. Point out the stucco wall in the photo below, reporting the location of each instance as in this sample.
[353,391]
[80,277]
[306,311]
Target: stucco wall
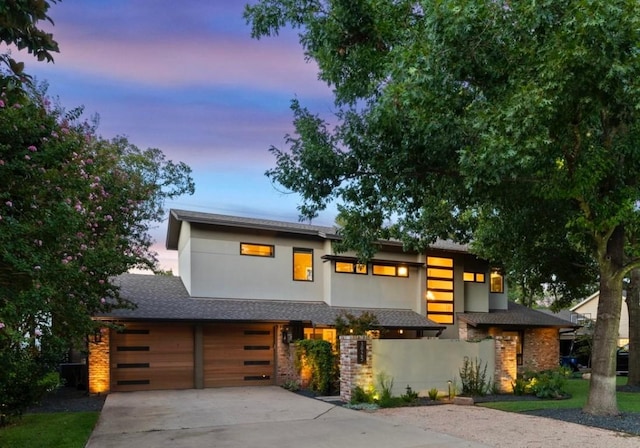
[427,363]
[184,255]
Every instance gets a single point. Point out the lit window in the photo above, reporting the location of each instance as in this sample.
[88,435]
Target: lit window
[303,264]
[496,282]
[351,267]
[390,270]
[473,277]
[440,307]
[257,250]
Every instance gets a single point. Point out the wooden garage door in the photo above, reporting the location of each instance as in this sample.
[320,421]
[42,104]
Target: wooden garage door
[152,356]
[238,355]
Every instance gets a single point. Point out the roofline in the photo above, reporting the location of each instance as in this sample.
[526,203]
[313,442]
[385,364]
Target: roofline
[585,301]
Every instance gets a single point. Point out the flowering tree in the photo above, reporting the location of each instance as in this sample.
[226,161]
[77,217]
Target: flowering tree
[75,211]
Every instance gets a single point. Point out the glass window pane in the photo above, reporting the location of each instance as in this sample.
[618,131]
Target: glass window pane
[403,271]
[439,261]
[341,266]
[258,250]
[384,270]
[442,307]
[469,277]
[496,282]
[441,318]
[303,264]
[440,273]
[480,278]
[440,296]
[439,284]
[361,268]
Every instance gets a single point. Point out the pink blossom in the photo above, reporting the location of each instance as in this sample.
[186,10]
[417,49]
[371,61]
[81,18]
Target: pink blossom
[1,162]
[27,157]
[65,261]
[38,332]
[32,148]
[2,323]
[9,204]
[17,106]
[102,300]
[1,105]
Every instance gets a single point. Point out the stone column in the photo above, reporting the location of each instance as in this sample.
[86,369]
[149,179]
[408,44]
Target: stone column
[356,367]
[506,368]
[98,359]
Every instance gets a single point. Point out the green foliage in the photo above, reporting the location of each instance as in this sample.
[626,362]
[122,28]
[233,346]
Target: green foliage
[385,386]
[410,396]
[50,430]
[433,394]
[548,384]
[291,385]
[350,324]
[359,395]
[319,356]
[520,386]
[474,378]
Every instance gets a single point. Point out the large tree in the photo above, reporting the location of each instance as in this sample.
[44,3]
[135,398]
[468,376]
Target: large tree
[75,211]
[450,113]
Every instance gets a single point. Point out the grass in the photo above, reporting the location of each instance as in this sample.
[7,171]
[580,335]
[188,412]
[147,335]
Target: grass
[579,390]
[50,430]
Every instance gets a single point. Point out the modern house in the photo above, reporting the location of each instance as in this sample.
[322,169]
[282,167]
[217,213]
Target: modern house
[249,287]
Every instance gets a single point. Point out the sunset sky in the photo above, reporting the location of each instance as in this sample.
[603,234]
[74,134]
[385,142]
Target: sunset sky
[186,77]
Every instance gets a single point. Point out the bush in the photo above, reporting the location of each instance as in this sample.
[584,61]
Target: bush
[549,384]
[319,356]
[410,396]
[433,394]
[385,383]
[359,395]
[474,378]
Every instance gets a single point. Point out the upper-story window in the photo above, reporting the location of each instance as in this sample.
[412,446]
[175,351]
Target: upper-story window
[351,267]
[257,250]
[440,303]
[474,277]
[303,264]
[496,281]
[390,270]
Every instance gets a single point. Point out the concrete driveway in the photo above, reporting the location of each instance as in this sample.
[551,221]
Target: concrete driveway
[246,418]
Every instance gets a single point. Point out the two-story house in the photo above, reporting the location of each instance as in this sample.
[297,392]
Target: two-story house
[248,287]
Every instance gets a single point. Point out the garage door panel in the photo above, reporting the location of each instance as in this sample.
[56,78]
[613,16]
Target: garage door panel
[238,355]
[152,356]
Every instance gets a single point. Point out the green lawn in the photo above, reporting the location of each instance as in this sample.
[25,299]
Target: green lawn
[50,430]
[579,389]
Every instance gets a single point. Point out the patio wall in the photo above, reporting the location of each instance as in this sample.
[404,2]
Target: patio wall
[424,363]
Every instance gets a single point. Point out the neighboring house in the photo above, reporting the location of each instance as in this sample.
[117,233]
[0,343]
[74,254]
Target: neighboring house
[588,309]
[249,287]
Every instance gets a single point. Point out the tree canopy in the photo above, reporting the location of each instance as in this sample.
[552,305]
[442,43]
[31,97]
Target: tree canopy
[75,211]
[488,122]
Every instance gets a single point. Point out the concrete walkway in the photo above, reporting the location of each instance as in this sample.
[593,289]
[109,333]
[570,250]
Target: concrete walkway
[246,418]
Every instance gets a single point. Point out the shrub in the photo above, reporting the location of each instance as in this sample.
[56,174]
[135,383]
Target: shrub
[474,378]
[433,394]
[319,356]
[410,396]
[520,386]
[359,395]
[549,384]
[385,383]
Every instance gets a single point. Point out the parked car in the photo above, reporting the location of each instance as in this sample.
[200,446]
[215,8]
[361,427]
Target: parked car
[570,362]
[622,360]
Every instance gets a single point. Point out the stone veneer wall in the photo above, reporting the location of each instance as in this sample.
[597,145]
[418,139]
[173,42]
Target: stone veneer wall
[353,374]
[506,368]
[541,349]
[98,359]
[285,359]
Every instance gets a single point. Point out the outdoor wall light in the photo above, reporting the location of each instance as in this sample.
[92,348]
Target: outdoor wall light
[287,335]
[97,336]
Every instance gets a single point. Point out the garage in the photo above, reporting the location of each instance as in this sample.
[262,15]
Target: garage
[238,355]
[152,356]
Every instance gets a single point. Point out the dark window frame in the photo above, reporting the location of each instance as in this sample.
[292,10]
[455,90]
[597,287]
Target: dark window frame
[354,268]
[393,265]
[271,246]
[302,250]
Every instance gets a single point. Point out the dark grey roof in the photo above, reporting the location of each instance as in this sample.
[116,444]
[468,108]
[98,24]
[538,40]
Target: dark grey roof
[165,298]
[294,228]
[516,315]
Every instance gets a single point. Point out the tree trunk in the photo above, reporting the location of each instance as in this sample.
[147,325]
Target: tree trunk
[633,306]
[602,389]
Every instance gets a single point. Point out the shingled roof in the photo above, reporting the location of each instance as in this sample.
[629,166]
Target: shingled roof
[164,298]
[515,315]
[283,227]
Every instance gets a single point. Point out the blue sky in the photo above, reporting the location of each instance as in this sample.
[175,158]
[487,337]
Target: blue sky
[186,77]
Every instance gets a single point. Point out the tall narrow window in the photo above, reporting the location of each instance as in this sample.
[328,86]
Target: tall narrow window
[303,264]
[497,281]
[440,289]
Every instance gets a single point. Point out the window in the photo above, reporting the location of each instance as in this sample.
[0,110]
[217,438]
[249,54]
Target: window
[257,250]
[351,267]
[390,270]
[440,289]
[474,277]
[496,282]
[303,264]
